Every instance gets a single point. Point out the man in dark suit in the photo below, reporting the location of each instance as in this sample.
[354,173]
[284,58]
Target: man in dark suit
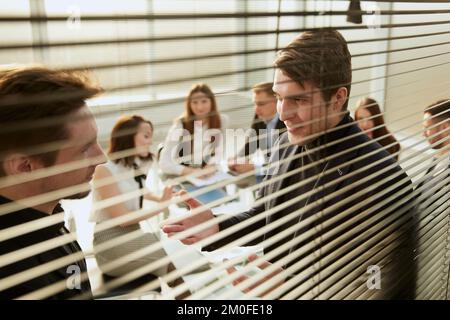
[433,193]
[265,129]
[437,131]
[45,126]
[437,125]
[342,171]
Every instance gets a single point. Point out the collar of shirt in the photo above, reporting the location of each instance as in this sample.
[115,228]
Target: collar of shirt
[329,137]
[271,124]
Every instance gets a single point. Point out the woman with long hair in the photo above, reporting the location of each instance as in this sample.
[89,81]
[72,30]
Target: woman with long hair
[368,116]
[129,160]
[187,149]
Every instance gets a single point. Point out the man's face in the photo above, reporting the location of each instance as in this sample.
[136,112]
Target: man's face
[265,105]
[439,130]
[81,144]
[301,108]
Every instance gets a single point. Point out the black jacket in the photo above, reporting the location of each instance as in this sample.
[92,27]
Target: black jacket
[257,126]
[313,219]
[52,276]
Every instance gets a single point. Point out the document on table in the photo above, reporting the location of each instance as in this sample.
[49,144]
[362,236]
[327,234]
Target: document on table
[219,255]
[183,256]
[216,177]
[230,208]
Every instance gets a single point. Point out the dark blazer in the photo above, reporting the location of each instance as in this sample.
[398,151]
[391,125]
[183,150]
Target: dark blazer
[257,126]
[324,187]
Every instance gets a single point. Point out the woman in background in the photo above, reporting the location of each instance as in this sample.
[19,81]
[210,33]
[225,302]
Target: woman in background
[129,160]
[182,153]
[369,108]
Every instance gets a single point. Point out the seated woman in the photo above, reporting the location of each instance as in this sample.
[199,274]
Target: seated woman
[369,108]
[194,141]
[130,158]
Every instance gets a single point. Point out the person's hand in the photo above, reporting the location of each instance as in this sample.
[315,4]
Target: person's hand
[264,264]
[243,168]
[240,166]
[200,173]
[232,163]
[191,221]
[167,194]
[207,171]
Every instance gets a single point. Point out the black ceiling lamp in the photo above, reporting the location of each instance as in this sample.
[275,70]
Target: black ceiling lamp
[354,14]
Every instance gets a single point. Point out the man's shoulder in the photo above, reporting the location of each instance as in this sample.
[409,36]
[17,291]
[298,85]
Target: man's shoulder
[375,152]
[16,266]
[367,146]
[376,159]
[10,245]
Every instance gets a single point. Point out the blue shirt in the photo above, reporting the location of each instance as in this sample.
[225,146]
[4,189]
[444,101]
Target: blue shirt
[271,125]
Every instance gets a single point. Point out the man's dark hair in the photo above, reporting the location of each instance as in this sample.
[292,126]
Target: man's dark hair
[264,87]
[320,56]
[439,110]
[35,105]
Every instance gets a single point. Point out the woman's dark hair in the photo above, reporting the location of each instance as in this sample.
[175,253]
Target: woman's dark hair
[122,138]
[374,109]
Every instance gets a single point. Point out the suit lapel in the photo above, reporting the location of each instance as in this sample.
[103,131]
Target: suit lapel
[334,172]
[280,125]
[282,168]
